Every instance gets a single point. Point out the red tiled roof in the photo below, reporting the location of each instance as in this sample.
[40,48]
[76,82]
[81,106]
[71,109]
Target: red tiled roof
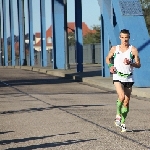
[85,29]
[71,28]
[38,35]
[49,32]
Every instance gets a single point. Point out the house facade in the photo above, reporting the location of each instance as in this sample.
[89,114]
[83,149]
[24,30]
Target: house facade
[71,29]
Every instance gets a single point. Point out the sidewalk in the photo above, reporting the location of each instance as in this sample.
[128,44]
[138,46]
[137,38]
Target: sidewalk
[91,75]
[41,111]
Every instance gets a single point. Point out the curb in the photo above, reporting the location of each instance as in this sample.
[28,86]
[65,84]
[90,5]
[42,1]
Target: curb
[88,80]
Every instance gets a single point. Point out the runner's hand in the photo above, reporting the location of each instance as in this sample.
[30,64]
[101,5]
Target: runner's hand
[112,69]
[127,61]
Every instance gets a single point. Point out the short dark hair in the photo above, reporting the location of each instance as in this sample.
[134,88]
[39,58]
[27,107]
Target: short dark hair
[125,31]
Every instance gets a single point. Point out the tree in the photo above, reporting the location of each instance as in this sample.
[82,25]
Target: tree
[89,38]
[146,12]
[71,38]
[145,3]
[92,37]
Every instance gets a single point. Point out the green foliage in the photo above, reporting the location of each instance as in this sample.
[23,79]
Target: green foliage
[92,37]
[71,38]
[146,11]
[145,3]
[89,38]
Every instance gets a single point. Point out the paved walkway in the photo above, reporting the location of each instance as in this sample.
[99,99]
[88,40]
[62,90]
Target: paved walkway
[90,75]
[44,112]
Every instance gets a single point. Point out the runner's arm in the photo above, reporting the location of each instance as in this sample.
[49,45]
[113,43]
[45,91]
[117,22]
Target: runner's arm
[137,63]
[110,55]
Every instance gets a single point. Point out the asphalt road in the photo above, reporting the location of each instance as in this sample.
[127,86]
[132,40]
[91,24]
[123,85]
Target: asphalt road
[39,111]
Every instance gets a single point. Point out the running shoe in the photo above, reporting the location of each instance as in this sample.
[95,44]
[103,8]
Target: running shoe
[118,121]
[123,128]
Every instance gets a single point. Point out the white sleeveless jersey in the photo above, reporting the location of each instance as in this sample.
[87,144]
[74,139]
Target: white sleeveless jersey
[123,70]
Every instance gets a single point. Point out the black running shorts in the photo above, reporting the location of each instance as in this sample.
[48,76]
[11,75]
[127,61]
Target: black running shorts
[125,84]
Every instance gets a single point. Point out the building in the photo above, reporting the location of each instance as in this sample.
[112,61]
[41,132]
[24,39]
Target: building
[49,46]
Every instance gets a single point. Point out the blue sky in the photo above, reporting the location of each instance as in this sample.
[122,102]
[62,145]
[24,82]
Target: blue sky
[90,14]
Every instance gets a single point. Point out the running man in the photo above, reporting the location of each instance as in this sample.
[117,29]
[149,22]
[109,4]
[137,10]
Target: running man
[126,57]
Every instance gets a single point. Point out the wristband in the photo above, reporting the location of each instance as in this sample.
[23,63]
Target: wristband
[110,65]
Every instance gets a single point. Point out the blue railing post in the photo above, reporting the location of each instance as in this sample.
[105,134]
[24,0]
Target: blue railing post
[21,31]
[11,15]
[43,34]
[30,19]
[58,34]
[79,38]
[5,55]
[0,40]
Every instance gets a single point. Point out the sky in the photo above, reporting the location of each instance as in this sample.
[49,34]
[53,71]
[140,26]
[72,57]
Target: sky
[90,14]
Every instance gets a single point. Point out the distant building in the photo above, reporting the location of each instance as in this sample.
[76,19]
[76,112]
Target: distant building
[49,46]
[37,45]
[27,38]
